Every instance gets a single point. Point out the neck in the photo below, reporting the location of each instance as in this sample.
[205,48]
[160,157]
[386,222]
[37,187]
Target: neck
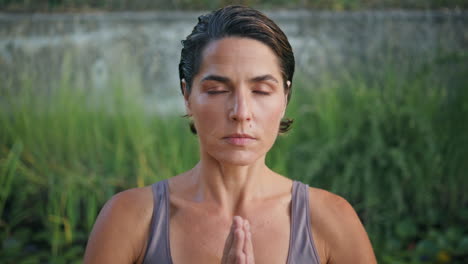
[231,187]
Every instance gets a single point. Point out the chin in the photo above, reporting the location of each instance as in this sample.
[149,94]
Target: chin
[237,158]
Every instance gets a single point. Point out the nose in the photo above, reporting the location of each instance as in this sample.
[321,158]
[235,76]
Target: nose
[240,108]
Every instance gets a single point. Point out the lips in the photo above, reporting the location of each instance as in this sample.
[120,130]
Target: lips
[239,139]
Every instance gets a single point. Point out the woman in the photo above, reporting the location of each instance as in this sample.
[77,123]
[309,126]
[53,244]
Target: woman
[236,71]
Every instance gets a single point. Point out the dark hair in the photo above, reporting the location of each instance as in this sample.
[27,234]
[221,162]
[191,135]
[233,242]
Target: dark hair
[237,21]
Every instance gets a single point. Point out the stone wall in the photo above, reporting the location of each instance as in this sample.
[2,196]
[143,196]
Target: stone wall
[97,48]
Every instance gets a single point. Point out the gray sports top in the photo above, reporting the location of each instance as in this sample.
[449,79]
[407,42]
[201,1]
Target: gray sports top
[301,245]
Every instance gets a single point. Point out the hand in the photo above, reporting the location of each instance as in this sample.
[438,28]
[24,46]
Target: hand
[238,248]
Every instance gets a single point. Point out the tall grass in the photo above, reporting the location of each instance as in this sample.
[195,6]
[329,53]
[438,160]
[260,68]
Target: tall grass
[67,150]
[396,147]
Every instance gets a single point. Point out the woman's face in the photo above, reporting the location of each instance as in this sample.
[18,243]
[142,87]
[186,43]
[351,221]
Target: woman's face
[237,100]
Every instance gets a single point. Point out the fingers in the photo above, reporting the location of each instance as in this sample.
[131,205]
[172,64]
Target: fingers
[248,246]
[229,240]
[239,247]
[233,249]
[237,250]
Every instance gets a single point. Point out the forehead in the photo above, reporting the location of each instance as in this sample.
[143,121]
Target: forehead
[239,55]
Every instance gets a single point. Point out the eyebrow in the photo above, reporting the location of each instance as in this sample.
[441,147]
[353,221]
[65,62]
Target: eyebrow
[222,79]
[262,78]
[217,78]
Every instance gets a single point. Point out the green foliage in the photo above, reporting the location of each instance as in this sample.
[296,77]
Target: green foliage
[395,146]
[64,151]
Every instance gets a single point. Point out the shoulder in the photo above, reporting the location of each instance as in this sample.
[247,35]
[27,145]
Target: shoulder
[337,229]
[132,203]
[121,230]
[327,204]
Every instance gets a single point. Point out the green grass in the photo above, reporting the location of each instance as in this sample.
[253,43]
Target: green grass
[395,146]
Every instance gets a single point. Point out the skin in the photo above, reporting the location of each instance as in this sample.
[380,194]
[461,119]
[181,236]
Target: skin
[230,208]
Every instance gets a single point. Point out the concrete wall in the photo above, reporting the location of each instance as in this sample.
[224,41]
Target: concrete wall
[97,48]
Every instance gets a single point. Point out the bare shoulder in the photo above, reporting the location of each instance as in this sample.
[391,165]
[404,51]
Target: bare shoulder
[131,203]
[331,205]
[338,232]
[121,230]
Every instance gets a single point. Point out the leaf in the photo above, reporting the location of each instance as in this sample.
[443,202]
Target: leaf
[462,247]
[406,229]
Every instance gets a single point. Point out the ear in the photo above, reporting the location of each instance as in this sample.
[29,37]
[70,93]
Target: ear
[186,97]
[288,84]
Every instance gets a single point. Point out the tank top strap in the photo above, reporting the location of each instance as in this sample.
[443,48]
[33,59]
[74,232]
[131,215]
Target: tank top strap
[158,249]
[302,247]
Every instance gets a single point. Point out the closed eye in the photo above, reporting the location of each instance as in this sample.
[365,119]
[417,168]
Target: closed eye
[216,91]
[261,92]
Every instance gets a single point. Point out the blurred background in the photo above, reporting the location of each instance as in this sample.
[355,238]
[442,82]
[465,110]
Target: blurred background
[90,105]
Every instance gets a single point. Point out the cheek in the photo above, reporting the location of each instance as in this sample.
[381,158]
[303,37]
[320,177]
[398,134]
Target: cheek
[207,116]
[274,121]
[272,111]
[270,117]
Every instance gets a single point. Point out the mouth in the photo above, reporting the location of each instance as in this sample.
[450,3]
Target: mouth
[239,139]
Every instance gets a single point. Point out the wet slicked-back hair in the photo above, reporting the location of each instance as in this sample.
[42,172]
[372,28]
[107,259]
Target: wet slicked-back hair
[236,21]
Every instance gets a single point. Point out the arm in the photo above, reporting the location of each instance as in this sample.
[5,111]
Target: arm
[121,229]
[341,235]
